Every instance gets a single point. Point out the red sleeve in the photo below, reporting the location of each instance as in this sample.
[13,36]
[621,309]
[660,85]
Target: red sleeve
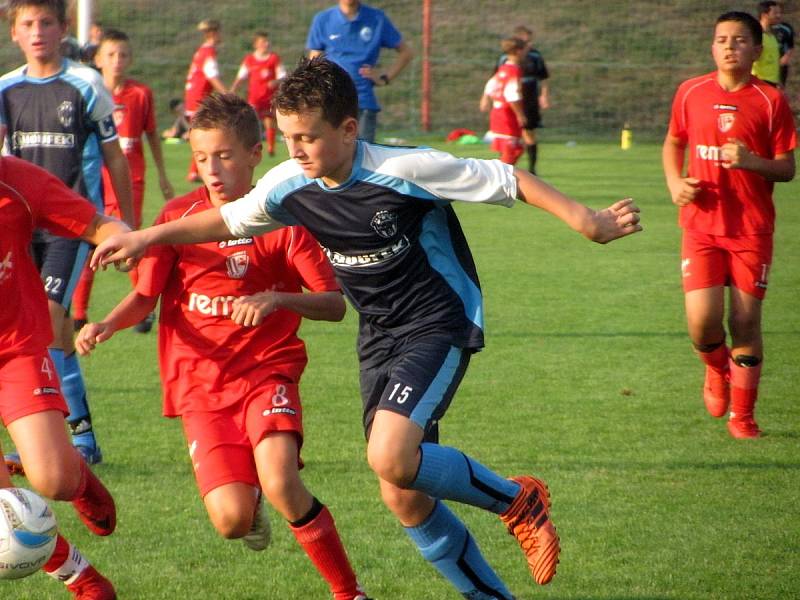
[156,267]
[677,124]
[306,257]
[54,206]
[149,112]
[784,132]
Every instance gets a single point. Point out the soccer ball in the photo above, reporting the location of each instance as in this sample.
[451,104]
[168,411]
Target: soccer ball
[27,533]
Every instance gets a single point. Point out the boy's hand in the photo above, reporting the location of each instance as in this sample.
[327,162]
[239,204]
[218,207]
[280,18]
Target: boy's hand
[124,250]
[90,335]
[250,311]
[684,191]
[616,221]
[735,155]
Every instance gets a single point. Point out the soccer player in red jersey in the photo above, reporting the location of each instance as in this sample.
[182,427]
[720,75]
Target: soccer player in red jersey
[203,75]
[263,70]
[503,95]
[739,135]
[31,404]
[229,353]
[134,116]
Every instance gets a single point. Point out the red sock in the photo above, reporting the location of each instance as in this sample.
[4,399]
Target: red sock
[717,359]
[66,564]
[94,503]
[321,542]
[59,556]
[744,390]
[270,139]
[82,293]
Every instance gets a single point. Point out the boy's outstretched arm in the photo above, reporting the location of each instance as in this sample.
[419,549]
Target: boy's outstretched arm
[130,311]
[601,226]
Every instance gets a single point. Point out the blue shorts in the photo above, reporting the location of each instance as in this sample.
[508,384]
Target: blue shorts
[417,380]
[60,262]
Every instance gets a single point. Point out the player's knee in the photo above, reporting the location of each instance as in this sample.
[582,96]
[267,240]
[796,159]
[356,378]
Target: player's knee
[391,465]
[231,522]
[53,482]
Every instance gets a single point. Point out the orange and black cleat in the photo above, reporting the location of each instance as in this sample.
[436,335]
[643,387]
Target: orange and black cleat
[528,519]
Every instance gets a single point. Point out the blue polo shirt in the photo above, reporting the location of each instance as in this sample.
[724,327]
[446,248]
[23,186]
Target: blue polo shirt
[353,44]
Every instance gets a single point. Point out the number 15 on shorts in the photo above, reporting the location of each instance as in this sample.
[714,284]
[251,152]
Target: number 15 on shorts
[400,393]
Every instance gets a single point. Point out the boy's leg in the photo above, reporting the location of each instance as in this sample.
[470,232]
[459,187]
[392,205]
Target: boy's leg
[269,128]
[69,566]
[745,364]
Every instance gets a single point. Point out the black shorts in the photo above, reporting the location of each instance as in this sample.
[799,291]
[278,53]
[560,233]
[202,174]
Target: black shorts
[60,262]
[417,380]
[533,117]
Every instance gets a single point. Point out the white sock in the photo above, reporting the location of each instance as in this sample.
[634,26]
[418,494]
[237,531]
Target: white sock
[72,568]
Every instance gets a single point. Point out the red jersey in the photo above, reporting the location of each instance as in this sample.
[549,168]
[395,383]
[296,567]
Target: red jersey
[705,116]
[207,361]
[260,72]
[134,114]
[31,198]
[203,67]
[504,88]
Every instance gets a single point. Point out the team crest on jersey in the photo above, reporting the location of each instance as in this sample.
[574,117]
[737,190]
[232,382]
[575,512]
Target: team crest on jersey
[365,34]
[237,264]
[5,266]
[725,121]
[66,113]
[384,223]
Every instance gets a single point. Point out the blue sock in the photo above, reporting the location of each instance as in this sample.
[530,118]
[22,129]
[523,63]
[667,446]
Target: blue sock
[449,474]
[79,419]
[446,543]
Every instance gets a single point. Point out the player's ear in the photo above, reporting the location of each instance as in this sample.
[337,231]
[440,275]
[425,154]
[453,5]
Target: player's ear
[256,154]
[349,129]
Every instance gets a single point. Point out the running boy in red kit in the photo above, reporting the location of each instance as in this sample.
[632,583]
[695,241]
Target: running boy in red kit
[229,352]
[135,118]
[740,137]
[263,71]
[31,404]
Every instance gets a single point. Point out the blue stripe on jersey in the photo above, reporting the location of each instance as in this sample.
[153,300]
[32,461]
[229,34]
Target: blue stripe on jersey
[438,246]
[92,164]
[83,86]
[401,186]
[436,391]
[274,203]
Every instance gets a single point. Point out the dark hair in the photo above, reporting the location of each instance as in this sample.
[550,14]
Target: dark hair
[59,8]
[114,35]
[745,19]
[260,34]
[512,44]
[765,7]
[318,83]
[231,112]
[174,103]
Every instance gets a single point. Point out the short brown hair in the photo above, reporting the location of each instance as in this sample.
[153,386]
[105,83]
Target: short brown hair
[209,25]
[231,112]
[511,44]
[57,7]
[318,84]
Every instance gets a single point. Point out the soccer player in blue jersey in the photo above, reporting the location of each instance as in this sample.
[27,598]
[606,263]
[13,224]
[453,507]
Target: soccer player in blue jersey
[383,217]
[58,115]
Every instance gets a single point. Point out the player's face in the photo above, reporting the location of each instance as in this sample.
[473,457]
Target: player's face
[114,58]
[322,150]
[38,33]
[775,15]
[261,45]
[224,163]
[733,48]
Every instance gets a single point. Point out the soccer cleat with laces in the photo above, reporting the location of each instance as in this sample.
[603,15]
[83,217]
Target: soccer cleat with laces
[717,392]
[91,585]
[743,427]
[528,519]
[90,452]
[260,533]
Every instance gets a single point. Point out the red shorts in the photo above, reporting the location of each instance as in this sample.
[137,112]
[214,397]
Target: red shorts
[221,442]
[264,108]
[712,260]
[28,385]
[510,149]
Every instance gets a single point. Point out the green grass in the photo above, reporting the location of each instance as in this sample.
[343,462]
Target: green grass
[588,379]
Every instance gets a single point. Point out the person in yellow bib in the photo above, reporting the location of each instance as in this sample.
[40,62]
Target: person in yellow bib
[767,67]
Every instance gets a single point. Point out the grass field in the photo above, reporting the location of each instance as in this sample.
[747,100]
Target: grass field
[588,379]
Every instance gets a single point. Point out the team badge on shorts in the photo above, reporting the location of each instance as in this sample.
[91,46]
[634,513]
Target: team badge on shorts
[725,121]
[384,223]
[237,264]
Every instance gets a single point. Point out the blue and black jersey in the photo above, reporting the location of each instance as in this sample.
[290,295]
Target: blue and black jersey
[391,235]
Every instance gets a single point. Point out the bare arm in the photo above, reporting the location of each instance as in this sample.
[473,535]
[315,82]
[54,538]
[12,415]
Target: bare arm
[736,155]
[250,311]
[120,173]
[544,95]
[404,56]
[602,226]
[154,141]
[682,190]
[103,227]
[130,311]
[206,226]
[217,84]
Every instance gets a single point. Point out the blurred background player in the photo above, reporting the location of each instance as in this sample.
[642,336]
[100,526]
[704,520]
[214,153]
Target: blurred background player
[401,257]
[767,66]
[784,33]
[535,92]
[262,70]
[89,49]
[60,117]
[351,34]
[31,404]
[229,351]
[134,116]
[203,76]
[179,130]
[740,138]
[503,99]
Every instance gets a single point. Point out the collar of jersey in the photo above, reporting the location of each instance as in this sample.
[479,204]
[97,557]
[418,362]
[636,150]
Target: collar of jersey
[354,172]
[48,78]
